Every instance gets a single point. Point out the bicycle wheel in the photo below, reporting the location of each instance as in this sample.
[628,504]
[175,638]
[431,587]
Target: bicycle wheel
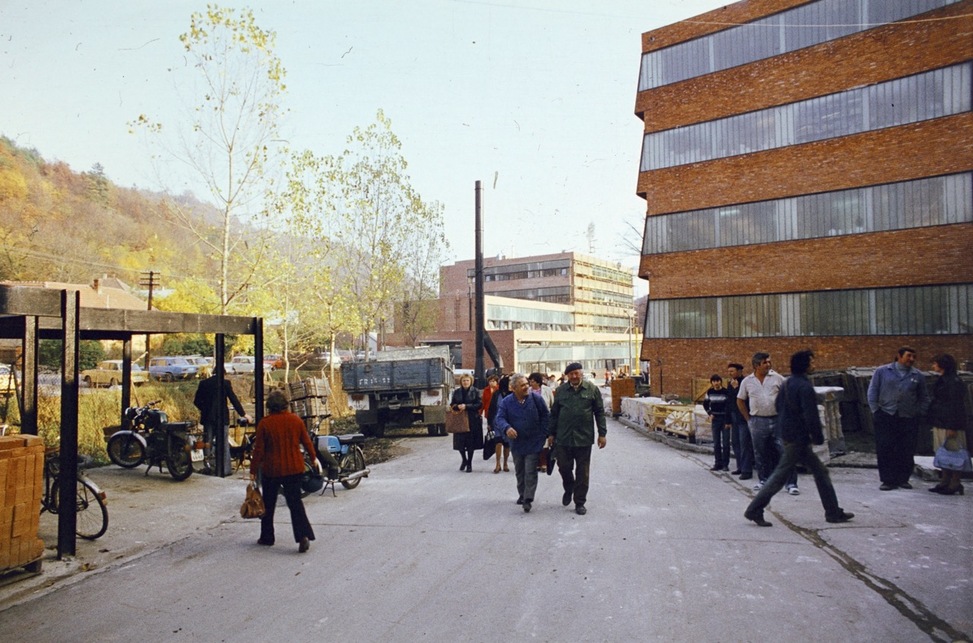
[354,461]
[92,516]
[125,450]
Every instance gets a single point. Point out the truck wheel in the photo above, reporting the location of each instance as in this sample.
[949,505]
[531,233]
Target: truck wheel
[380,430]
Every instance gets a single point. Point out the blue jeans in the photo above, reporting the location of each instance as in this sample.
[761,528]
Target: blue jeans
[525,467]
[768,447]
[742,445]
[797,453]
[721,441]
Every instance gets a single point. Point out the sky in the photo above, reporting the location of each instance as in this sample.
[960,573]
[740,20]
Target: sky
[533,98]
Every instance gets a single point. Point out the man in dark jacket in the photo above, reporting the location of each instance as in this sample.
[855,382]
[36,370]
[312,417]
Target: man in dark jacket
[578,407]
[797,408]
[207,400]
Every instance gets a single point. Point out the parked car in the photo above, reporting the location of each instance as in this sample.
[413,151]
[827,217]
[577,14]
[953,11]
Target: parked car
[271,362]
[240,364]
[204,365]
[7,381]
[168,369]
[109,373]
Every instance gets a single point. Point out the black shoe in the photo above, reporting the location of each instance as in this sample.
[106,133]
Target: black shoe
[268,543]
[526,506]
[844,516]
[725,469]
[758,519]
[735,472]
[716,467]
[905,485]
[520,501]
[469,468]
[304,545]
[580,510]
[886,487]
[746,476]
[566,498]
[462,467]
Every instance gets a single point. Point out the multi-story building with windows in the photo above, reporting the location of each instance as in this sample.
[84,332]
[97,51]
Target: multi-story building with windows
[807,167]
[544,312]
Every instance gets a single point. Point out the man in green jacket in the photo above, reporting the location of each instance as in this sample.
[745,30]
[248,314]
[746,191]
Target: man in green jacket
[577,407]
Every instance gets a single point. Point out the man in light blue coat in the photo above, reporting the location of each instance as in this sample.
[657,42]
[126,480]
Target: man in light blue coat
[897,397]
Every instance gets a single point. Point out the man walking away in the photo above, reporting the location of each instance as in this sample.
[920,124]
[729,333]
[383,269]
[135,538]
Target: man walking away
[897,396]
[578,408]
[797,408]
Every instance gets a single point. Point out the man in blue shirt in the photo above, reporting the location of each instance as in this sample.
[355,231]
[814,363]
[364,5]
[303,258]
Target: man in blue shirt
[523,418]
[897,397]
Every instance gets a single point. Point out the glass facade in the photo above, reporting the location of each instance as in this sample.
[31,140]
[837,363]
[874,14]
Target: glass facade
[934,201]
[932,94]
[515,317]
[797,28]
[915,310]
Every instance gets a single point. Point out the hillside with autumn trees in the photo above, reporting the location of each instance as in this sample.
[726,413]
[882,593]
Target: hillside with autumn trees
[61,225]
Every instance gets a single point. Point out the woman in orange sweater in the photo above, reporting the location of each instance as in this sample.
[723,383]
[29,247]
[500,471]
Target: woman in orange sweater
[277,457]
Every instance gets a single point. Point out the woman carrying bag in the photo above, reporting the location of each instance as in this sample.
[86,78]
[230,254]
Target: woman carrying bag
[466,399]
[277,457]
[947,414]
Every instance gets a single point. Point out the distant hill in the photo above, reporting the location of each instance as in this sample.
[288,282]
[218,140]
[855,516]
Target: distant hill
[61,225]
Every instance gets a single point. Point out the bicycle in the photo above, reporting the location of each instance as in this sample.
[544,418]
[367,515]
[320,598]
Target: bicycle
[92,511]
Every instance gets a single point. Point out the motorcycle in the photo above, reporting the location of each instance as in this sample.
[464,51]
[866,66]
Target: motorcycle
[346,449]
[149,437]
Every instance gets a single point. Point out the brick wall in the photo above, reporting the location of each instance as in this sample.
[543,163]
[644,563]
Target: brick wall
[929,148]
[920,256]
[869,57]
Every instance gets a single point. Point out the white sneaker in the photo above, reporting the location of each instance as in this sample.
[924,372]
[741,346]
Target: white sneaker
[794,491]
[758,486]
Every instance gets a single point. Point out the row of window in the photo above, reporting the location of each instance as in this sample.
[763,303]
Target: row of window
[804,26]
[933,201]
[528,270]
[552,295]
[932,94]
[513,317]
[919,310]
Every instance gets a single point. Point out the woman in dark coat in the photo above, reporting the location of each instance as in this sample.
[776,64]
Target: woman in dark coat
[947,414]
[467,398]
[503,444]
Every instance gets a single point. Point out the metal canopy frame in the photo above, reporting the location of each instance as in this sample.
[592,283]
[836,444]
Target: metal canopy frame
[31,314]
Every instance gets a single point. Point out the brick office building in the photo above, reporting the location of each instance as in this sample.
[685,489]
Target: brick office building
[543,312]
[808,175]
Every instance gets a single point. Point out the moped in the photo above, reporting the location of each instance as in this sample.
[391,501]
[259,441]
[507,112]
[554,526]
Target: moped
[346,450]
[149,437]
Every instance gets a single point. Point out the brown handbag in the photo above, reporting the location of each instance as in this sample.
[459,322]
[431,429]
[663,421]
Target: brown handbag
[457,422]
[253,506]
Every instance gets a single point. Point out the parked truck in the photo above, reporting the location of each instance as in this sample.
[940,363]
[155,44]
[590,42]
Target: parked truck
[400,388]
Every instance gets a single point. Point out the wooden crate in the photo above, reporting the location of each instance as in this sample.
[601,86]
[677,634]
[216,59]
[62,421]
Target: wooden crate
[674,419]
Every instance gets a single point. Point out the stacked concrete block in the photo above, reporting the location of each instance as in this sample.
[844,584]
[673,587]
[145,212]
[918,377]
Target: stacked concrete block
[21,486]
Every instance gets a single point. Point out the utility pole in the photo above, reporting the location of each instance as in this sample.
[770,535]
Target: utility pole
[148,279]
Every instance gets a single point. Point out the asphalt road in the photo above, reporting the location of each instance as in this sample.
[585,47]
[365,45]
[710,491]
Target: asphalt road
[421,551]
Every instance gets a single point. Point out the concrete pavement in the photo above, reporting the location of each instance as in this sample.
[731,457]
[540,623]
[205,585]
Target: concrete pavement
[421,550]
